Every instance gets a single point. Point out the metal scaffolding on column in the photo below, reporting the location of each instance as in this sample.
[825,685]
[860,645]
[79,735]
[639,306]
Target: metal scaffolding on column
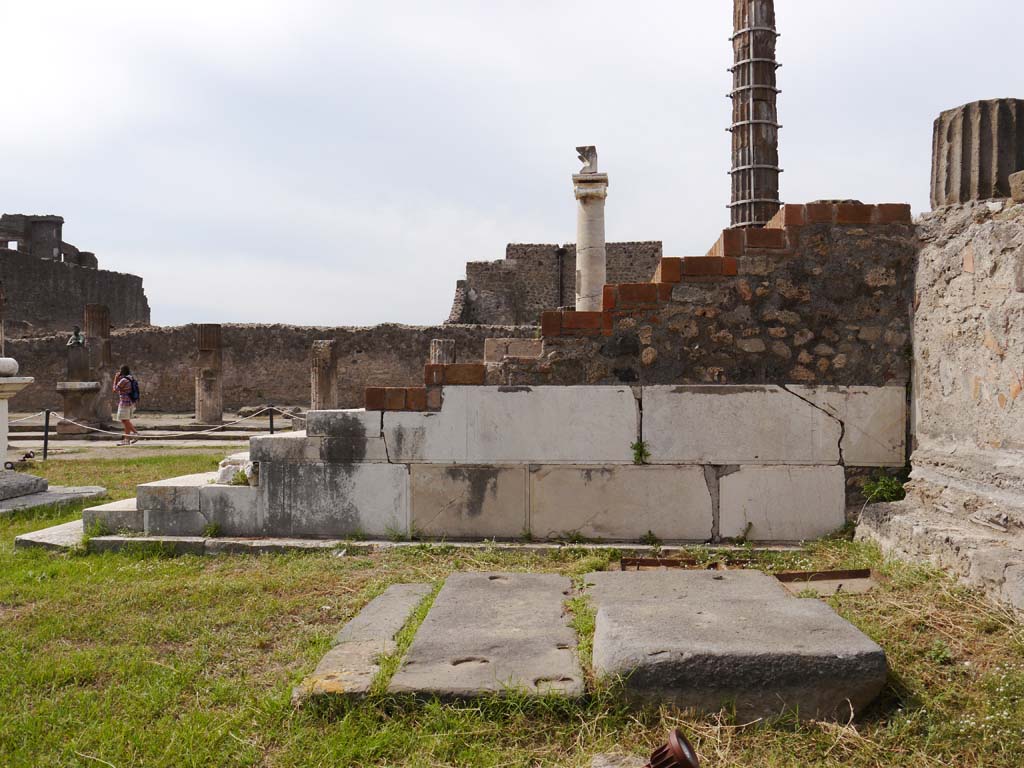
[755,128]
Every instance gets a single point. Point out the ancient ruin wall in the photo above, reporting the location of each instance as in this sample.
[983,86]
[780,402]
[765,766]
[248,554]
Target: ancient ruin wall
[969,329]
[516,290]
[45,295]
[262,363]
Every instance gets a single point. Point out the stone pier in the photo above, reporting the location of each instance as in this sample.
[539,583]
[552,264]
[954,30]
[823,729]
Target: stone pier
[975,150]
[209,368]
[87,391]
[96,327]
[591,257]
[324,375]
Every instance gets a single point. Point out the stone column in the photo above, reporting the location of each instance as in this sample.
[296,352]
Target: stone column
[591,257]
[975,150]
[13,484]
[96,327]
[442,351]
[209,365]
[323,382]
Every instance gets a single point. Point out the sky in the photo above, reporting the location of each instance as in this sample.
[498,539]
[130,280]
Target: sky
[338,163]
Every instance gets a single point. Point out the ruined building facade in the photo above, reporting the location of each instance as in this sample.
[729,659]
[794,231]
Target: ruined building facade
[48,282]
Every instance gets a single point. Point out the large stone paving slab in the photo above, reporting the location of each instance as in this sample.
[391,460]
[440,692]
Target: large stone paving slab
[494,633]
[707,640]
[351,665]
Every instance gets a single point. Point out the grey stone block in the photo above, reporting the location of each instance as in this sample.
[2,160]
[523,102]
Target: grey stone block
[691,588]
[468,502]
[59,538]
[492,633]
[15,484]
[116,516]
[177,494]
[173,545]
[763,658]
[1017,186]
[348,423]
[350,667]
[236,510]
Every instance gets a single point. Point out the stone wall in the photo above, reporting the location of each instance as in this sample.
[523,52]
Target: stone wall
[822,297]
[533,278]
[262,363]
[46,295]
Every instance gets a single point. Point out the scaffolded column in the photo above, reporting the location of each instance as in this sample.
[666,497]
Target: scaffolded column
[755,128]
[324,376]
[209,365]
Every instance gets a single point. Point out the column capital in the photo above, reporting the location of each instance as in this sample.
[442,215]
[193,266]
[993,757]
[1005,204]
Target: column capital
[590,186]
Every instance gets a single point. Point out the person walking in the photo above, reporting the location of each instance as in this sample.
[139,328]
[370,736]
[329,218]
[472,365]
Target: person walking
[127,390]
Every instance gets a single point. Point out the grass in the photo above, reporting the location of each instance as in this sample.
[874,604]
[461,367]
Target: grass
[130,660]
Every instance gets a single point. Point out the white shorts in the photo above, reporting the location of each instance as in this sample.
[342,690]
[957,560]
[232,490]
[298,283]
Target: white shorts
[125,412]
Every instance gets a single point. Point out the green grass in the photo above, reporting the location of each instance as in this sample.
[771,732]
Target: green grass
[130,660]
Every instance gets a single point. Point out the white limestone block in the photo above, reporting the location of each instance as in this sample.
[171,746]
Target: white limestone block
[782,503]
[736,425]
[875,419]
[462,502]
[620,503]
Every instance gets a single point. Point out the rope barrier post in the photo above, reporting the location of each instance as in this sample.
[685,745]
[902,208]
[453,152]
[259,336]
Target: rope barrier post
[46,433]
[271,418]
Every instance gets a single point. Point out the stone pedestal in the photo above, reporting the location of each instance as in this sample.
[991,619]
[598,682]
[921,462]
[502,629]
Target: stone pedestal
[324,376]
[80,405]
[442,351]
[13,484]
[975,150]
[591,256]
[209,365]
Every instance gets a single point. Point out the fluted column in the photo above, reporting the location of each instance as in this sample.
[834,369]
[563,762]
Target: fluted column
[975,150]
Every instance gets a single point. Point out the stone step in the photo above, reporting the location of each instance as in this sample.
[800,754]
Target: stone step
[494,633]
[58,538]
[351,665]
[708,640]
[190,505]
[116,516]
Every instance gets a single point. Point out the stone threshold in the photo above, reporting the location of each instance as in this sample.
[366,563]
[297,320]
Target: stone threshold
[58,495]
[71,535]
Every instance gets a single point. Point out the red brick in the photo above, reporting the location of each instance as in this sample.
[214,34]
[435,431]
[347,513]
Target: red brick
[694,266]
[852,213]
[607,323]
[730,266]
[788,216]
[394,398]
[582,321]
[894,213]
[608,297]
[374,398]
[631,294]
[551,324]
[732,242]
[416,398]
[434,398]
[766,238]
[433,374]
[670,270]
[465,373]
[820,213]
[665,291]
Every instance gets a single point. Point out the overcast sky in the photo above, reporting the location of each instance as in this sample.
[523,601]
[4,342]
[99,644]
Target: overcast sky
[337,163]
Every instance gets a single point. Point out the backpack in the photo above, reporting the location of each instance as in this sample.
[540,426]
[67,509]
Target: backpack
[134,394]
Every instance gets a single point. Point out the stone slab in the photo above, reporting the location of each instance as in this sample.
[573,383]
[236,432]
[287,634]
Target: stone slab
[761,657]
[58,538]
[491,633]
[519,425]
[123,515]
[453,502]
[351,665]
[176,494]
[344,423]
[329,500]
[55,495]
[170,545]
[236,510]
[15,484]
[727,425]
[678,587]
[782,503]
[620,503]
[299,446]
[875,421]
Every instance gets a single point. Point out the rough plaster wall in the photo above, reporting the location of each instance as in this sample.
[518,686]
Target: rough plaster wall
[969,328]
[516,290]
[262,363]
[49,295]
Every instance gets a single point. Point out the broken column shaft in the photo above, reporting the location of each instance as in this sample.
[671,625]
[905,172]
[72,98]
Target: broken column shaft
[755,127]
[209,365]
[591,190]
[975,150]
[96,326]
[323,382]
